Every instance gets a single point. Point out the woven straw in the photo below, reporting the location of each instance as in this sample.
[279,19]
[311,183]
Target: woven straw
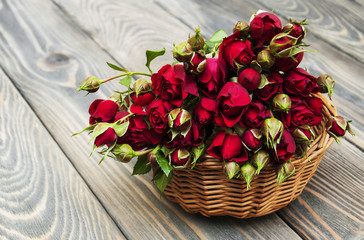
[206,189]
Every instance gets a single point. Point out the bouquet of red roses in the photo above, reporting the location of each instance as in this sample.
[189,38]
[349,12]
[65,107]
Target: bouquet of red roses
[240,98]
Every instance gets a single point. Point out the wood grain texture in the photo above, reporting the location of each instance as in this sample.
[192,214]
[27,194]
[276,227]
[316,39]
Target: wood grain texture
[41,194]
[46,55]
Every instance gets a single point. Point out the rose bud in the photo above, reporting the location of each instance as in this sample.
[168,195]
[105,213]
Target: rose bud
[326,83]
[269,86]
[272,130]
[285,148]
[286,170]
[179,157]
[281,103]
[252,139]
[231,169]
[179,119]
[288,63]
[109,136]
[231,101]
[263,27]
[243,29]
[228,147]
[296,30]
[281,45]
[182,52]
[259,160]
[249,78]
[90,84]
[197,64]
[248,173]
[205,111]
[299,82]
[303,134]
[125,153]
[212,79]
[234,52]
[102,111]
[196,41]
[142,99]
[337,127]
[142,85]
[265,59]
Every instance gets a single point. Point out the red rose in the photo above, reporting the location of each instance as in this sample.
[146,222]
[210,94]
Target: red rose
[303,111]
[142,99]
[102,111]
[212,79]
[138,135]
[288,63]
[173,84]
[179,157]
[254,115]
[228,147]
[157,113]
[231,101]
[298,32]
[249,78]
[106,137]
[285,148]
[299,82]
[205,111]
[234,50]
[269,90]
[196,65]
[252,138]
[264,27]
[193,138]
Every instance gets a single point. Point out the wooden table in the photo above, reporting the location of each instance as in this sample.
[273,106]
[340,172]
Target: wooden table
[51,189]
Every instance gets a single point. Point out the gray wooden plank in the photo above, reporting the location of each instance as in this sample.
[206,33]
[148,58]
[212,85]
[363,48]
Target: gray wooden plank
[349,92]
[41,194]
[47,62]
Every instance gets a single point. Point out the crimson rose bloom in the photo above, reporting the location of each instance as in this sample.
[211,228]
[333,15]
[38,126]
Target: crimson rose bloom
[231,101]
[102,111]
[269,90]
[249,78]
[252,138]
[196,65]
[286,64]
[176,160]
[299,82]
[106,137]
[138,135]
[303,111]
[234,50]
[254,115]
[285,148]
[297,32]
[205,111]
[228,147]
[264,27]
[173,84]
[193,138]
[142,99]
[212,79]
[157,113]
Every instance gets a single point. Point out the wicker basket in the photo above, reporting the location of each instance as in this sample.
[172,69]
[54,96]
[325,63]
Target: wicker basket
[205,188]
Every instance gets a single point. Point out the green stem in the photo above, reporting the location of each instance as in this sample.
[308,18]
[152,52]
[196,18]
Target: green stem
[126,74]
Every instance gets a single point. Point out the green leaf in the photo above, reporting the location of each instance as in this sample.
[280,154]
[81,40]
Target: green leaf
[89,128]
[151,55]
[120,129]
[126,81]
[116,67]
[197,152]
[165,150]
[163,181]
[218,36]
[108,150]
[141,166]
[174,63]
[100,129]
[158,174]
[163,163]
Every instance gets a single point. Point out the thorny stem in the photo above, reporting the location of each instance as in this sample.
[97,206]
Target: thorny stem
[126,74]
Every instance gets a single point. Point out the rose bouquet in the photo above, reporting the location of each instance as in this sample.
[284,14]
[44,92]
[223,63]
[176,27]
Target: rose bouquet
[240,98]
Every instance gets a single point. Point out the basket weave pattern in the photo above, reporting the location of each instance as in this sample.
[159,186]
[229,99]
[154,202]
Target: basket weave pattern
[206,189]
